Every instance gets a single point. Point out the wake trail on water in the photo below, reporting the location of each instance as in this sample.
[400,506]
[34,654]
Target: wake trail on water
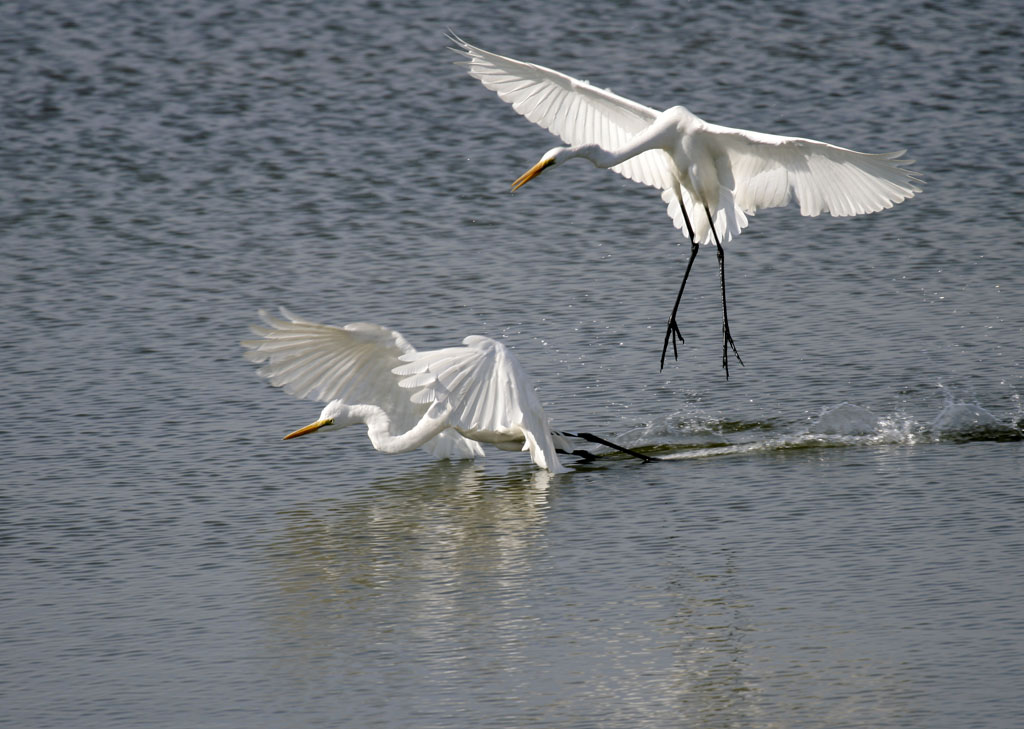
[679,436]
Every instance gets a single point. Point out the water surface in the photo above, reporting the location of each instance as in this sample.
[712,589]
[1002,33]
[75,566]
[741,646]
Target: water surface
[835,536]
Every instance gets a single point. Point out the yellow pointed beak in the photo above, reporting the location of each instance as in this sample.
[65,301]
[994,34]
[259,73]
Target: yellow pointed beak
[531,173]
[312,427]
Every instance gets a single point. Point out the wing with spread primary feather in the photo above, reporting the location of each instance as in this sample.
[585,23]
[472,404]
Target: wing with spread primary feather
[351,363]
[323,362]
[571,109]
[770,170]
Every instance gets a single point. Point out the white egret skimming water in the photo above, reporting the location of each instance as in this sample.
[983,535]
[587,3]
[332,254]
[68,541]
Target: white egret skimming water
[445,401]
[711,177]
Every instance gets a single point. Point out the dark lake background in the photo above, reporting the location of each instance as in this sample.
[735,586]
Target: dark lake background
[836,542]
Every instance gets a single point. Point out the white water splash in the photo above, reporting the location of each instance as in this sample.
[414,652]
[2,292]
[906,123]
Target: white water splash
[847,419]
[842,425]
[960,420]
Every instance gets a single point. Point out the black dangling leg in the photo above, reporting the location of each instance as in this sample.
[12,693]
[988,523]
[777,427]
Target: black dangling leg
[673,328]
[726,336]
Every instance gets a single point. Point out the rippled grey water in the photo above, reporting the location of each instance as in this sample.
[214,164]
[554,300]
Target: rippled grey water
[834,540]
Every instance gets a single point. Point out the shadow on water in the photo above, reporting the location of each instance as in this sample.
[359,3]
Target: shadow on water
[425,530]
[461,591]
[407,579]
[441,583]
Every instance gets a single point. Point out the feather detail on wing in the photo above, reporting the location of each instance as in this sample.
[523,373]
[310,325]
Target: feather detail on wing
[755,170]
[322,362]
[487,391]
[571,109]
[771,170]
[351,363]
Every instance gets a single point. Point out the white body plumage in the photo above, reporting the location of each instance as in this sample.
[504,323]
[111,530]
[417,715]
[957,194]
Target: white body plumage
[445,401]
[734,172]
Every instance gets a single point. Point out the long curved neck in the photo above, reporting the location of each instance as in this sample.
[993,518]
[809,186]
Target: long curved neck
[378,426]
[660,134]
[600,156]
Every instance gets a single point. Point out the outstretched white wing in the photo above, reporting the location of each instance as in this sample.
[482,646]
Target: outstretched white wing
[351,363]
[488,392]
[755,170]
[769,170]
[323,363]
[571,109]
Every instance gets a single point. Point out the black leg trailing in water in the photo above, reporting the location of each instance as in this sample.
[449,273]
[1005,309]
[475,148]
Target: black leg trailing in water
[584,456]
[598,439]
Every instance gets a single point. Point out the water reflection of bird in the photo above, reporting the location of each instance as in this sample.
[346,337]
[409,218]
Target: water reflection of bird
[711,177]
[446,401]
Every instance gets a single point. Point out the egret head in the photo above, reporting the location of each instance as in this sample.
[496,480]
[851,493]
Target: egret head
[335,416]
[551,158]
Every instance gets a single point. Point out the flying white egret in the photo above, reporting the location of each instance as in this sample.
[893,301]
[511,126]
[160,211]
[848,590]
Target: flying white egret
[729,173]
[445,401]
